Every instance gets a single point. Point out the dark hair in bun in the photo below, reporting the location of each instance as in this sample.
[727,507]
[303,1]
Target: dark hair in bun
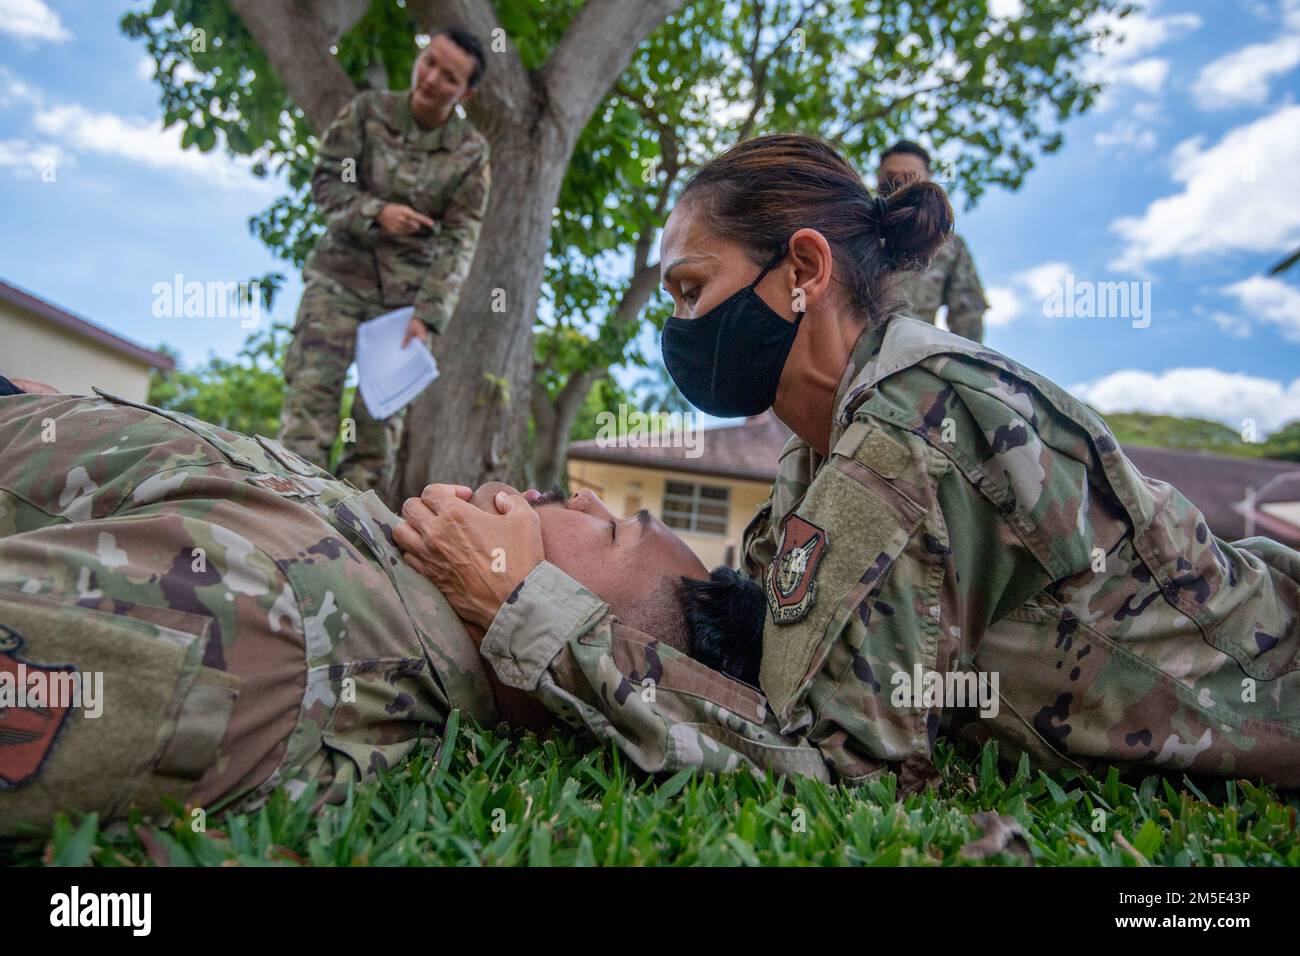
[762,190]
[917,220]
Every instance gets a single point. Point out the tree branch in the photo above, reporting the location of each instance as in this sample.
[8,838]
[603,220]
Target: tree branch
[297,44]
[758,68]
[645,279]
[594,51]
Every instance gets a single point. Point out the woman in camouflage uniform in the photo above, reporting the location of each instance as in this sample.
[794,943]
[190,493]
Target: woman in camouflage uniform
[941,512]
[403,184]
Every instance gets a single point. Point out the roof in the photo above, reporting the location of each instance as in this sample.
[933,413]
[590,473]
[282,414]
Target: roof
[1216,484]
[79,326]
[747,451]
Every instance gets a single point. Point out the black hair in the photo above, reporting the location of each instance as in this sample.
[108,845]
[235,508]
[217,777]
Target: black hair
[910,148]
[762,190]
[724,622]
[471,45]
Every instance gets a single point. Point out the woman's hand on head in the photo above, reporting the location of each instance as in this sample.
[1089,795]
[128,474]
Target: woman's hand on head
[476,559]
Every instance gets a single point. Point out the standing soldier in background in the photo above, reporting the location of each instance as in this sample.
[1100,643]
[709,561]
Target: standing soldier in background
[951,279]
[403,184]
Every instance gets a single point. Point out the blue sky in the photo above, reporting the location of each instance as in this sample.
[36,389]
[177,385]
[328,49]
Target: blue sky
[1185,176]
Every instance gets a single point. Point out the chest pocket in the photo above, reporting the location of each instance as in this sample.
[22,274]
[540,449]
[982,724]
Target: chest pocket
[865,524]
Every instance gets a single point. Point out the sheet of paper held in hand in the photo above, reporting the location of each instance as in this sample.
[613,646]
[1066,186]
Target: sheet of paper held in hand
[391,376]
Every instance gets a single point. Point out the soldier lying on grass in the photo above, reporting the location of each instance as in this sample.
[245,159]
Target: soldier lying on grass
[241,618]
[255,626]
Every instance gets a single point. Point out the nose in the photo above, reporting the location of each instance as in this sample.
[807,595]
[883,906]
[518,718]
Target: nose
[587,502]
[485,493]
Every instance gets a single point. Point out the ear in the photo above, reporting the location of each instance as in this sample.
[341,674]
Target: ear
[812,259]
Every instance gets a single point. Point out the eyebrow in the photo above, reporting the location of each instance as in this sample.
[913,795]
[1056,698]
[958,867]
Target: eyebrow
[553,496]
[644,518]
[680,261]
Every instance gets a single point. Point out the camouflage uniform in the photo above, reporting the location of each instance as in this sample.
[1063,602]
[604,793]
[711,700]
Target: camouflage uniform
[254,625]
[971,516]
[951,280]
[374,153]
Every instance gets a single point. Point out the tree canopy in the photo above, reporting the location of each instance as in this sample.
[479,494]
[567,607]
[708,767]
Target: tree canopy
[986,93]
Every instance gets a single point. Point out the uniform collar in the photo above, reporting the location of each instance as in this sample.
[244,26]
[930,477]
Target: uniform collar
[856,373]
[447,136]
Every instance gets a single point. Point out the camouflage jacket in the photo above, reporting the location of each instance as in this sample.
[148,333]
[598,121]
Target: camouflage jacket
[951,280]
[971,518]
[375,153]
[183,561]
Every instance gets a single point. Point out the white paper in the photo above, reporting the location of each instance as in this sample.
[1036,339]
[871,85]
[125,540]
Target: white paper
[391,376]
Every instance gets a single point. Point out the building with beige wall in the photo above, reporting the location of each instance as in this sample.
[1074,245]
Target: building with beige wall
[708,499]
[44,343]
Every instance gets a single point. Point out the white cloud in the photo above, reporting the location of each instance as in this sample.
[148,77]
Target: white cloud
[1126,135]
[1136,35]
[140,141]
[1265,299]
[1123,58]
[1233,325]
[1147,75]
[1004,306]
[1237,195]
[31,159]
[14,91]
[1024,294]
[1041,281]
[1241,78]
[1212,393]
[31,20]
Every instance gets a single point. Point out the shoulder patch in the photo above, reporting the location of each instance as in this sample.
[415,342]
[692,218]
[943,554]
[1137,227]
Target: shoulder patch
[28,731]
[792,576]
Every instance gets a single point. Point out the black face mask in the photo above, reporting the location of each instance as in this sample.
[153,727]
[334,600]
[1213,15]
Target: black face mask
[728,361]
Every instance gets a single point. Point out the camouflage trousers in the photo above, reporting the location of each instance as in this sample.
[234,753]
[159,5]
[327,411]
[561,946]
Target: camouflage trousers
[315,367]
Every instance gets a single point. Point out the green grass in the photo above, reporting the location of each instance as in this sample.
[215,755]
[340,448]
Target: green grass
[502,800]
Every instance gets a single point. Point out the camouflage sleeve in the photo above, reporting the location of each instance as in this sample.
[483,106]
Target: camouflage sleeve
[454,247]
[348,209]
[964,296]
[666,711]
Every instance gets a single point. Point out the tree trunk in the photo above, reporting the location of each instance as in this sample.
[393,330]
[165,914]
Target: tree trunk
[470,425]
[553,421]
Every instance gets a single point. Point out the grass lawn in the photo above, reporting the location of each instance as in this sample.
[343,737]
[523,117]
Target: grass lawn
[504,800]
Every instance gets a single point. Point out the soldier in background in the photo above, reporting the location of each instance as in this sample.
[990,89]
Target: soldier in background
[951,279]
[403,184]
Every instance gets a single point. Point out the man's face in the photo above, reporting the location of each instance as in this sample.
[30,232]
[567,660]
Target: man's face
[441,75]
[897,167]
[627,562]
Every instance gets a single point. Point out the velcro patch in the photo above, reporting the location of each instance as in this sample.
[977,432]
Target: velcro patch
[290,486]
[867,443]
